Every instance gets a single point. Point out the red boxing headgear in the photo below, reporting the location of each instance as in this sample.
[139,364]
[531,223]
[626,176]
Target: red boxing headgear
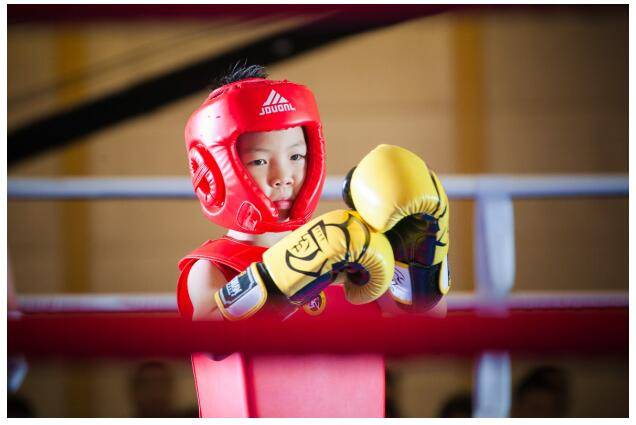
[228,194]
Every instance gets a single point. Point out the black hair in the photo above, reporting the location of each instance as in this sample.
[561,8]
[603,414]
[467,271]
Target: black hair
[240,71]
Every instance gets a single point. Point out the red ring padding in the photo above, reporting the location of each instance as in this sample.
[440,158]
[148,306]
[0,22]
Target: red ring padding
[601,331]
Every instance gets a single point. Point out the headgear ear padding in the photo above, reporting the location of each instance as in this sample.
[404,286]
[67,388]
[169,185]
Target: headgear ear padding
[229,196]
[206,179]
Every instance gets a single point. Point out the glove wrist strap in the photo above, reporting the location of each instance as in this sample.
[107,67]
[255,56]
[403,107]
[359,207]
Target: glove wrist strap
[415,286]
[247,293]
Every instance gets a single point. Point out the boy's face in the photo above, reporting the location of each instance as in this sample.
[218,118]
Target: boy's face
[276,161]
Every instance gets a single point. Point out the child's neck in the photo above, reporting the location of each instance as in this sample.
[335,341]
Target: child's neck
[263,239]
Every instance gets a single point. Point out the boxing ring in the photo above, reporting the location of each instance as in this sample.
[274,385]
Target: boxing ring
[490,324]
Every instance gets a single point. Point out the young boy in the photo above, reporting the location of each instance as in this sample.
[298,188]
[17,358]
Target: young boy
[256,152]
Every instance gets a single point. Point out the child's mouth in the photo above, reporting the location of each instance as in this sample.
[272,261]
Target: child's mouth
[283,204]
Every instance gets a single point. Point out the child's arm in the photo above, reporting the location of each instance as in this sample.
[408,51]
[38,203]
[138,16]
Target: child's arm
[204,279]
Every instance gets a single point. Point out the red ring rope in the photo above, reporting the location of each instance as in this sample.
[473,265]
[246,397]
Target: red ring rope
[601,331]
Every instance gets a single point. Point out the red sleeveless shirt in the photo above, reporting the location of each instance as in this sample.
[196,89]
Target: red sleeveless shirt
[281,386]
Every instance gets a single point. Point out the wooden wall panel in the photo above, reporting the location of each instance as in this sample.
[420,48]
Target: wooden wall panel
[547,94]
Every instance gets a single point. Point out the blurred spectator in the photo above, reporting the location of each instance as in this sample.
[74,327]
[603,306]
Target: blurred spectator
[152,390]
[458,406]
[19,407]
[190,412]
[543,393]
[390,395]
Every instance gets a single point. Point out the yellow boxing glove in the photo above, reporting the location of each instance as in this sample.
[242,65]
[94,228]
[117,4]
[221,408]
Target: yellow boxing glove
[395,193]
[299,266]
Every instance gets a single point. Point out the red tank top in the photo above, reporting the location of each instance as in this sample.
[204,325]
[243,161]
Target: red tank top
[281,386]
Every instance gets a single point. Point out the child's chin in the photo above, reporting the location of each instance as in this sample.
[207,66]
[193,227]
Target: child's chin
[283,215]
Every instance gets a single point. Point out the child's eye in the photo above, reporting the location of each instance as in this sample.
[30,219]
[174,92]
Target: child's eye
[258,162]
[297,157]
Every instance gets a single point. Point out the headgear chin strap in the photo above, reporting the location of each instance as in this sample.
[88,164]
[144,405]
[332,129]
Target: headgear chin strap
[229,196]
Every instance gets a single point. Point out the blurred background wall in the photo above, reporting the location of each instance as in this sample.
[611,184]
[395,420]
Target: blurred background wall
[482,90]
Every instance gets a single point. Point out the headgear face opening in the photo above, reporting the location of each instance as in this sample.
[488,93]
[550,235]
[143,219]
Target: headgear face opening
[228,195]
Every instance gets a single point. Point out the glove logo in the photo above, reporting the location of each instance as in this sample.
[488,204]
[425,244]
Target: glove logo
[401,284]
[308,244]
[233,288]
[299,257]
[237,288]
[316,305]
[275,103]
[398,278]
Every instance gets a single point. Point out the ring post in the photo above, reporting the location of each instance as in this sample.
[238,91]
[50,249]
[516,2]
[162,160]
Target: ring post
[495,276]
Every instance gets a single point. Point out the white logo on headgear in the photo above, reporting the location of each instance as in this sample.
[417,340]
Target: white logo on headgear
[275,103]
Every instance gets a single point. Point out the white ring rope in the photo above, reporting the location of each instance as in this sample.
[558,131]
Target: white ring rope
[166,302]
[457,187]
